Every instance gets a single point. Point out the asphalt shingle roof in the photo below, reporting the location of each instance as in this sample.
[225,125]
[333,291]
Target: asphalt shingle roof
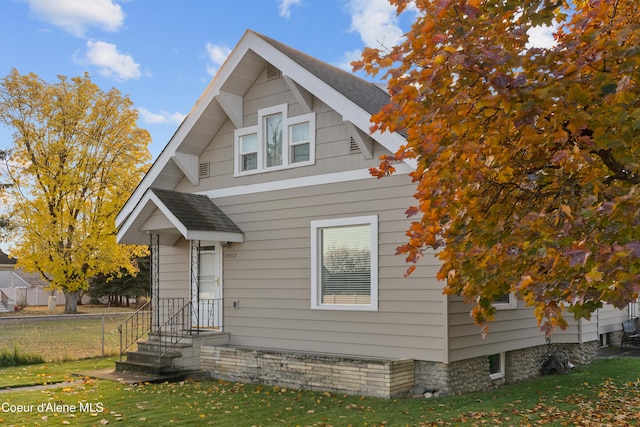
[196,212]
[368,96]
[5,259]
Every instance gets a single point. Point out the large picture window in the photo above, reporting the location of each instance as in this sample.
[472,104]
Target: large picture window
[344,263]
[276,142]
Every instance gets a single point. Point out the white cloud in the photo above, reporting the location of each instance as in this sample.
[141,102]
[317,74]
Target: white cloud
[77,16]
[112,64]
[285,7]
[541,36]
[160,118]
[376,22]
[216,54]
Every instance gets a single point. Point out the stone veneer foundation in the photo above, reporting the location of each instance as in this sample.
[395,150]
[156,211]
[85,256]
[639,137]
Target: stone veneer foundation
[471,375]
[379,377]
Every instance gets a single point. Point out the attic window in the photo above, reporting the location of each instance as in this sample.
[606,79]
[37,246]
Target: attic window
[203,170]
[276,142]
[353,148]
[273,72]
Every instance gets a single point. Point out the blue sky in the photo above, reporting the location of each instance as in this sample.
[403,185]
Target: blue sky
[163,53]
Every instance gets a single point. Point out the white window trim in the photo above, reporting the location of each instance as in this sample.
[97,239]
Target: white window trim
[372,221]
[511,305]
[258,129]
[500,374]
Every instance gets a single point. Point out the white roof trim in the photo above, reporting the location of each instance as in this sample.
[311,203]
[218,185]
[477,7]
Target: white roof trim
[302,77]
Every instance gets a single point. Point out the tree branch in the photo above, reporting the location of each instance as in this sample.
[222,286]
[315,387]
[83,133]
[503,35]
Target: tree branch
[620,172]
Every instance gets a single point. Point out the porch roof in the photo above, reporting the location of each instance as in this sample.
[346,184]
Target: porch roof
[173,214]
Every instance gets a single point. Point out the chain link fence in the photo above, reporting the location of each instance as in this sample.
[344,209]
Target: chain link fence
[63,337]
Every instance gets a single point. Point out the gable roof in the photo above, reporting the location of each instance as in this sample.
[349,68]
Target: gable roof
[350,96]
[196,212]
[368,96]
[6,259]
[192,216]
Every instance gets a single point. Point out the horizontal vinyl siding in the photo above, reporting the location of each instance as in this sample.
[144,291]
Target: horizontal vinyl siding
[512,329]
[270,276]
[174,270]
[518,328]
[332,142]
[610,318]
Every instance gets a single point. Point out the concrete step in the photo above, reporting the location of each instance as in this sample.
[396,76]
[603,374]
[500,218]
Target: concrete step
[3,308]
[142,368]
[148,363]
[154,346]
[147,357]
[184,339]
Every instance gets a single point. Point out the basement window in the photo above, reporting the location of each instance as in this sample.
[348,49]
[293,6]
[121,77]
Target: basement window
[507,301]
[496,366]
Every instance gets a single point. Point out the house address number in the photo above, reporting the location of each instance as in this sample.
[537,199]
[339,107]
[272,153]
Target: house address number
[229,255]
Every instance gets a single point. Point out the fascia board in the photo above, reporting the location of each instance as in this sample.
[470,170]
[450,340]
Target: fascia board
[149,198]
[334,99]
[208,96]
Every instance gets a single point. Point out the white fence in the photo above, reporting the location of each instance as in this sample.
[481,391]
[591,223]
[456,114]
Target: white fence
[20,293]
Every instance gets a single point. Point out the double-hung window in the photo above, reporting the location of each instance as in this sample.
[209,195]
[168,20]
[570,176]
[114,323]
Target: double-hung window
[277,141]
[344,263]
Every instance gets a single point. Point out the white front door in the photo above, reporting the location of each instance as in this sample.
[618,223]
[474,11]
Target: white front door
[209,287]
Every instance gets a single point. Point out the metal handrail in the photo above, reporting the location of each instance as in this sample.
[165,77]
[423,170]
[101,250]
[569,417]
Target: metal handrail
[174,329]
[134,327]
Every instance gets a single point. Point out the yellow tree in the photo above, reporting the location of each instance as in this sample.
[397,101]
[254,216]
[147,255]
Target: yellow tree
[527,158]
[77,154]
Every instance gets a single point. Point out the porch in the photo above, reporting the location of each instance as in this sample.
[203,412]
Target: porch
[185,310]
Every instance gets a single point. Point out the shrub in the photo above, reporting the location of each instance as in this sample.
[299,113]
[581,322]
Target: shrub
[8,358]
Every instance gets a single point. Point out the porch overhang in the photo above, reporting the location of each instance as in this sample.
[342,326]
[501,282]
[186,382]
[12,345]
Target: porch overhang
[172,215]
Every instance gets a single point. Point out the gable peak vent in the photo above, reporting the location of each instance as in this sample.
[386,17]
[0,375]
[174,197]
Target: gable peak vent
[353,145]
[273,72]
[203,170]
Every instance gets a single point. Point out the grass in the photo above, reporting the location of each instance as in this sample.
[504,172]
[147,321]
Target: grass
[603,393]
[15,358]
[47,373]
[35,330]
[43,310]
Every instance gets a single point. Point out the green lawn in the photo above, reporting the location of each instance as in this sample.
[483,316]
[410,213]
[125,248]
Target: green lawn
[58,337]
[604,393]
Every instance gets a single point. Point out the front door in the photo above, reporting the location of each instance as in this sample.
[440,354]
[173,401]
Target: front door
[209,288]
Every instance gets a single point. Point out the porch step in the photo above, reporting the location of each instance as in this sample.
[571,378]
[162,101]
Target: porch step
[182,357]
[3,308]
[146,359]
[151,346]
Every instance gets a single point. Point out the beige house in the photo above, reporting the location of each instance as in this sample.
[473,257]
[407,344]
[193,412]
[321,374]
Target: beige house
[274,248]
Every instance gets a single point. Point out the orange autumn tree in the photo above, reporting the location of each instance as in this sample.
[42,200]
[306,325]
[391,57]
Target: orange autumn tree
[527,176]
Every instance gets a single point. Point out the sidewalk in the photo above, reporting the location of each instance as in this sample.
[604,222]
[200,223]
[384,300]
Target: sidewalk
[612,352]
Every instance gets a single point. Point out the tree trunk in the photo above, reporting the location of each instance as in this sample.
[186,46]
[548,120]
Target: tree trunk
[71,302]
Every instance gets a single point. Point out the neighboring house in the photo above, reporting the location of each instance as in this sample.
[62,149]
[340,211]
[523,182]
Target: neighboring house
[7,264]
[273,248]
[19,288]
